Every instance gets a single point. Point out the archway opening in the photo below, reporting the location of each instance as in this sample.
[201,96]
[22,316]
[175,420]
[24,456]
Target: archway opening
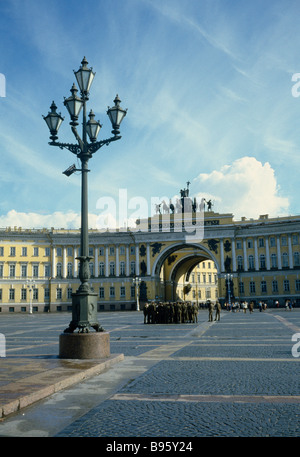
[187,273]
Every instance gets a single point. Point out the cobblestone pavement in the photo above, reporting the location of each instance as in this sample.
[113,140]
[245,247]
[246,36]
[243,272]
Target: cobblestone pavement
[235,378]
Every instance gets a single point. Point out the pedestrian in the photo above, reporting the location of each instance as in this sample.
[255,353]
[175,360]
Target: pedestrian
[210,311]
[218,311]
[146,313]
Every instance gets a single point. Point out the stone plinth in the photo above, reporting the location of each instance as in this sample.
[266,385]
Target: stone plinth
[94,345]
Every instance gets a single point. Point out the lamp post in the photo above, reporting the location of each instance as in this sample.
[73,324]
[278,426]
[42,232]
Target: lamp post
[84,300]
[228,278]
[30,284]
[137,281]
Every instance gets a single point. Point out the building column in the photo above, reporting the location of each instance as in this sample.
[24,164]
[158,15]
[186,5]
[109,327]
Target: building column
[106,262]
[268,265]
[137,260]
[75,262]
[53,262]
[256,263]
[279,253]
[127,261]
[233,255]
[64,263]
[291,262]
[148,260]
[96,261]
[222,255]
[117,261]
[245,255]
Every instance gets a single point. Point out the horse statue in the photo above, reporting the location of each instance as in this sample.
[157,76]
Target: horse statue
[165,207]
[172,207]
[178,206]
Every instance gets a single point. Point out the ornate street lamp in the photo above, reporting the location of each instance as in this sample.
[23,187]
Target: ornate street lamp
[93,127]
[84,300]
[74,105]
[30,285]
[53,120]
[84,77]
[116,115]
[137,282]
[229,278]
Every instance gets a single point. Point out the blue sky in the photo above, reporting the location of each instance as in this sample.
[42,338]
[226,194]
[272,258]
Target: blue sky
[208,87]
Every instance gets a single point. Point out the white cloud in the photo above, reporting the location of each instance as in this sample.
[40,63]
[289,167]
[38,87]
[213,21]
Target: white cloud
[245,188]
[60,220]
[34,220]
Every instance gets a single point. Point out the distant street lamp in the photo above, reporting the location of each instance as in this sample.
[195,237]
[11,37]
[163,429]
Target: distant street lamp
[84,300]
[228,278]
[30,285]
[137,282]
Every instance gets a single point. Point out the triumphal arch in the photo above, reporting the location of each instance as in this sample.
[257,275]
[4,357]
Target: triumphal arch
[161,258]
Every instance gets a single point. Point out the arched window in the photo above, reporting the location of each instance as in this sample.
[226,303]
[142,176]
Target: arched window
[91,266]
[70,270]
[274,260]
[262,261]
[239,262]
[58,270]
[112,268]
[251,262]
[101,269]
[132,268]
[122,268]
[285,259]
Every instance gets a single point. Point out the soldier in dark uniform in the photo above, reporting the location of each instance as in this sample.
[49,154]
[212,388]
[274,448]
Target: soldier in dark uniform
[218,311]
[195,312]
[151,313]
[159,313]
[171,313]
[251,306]
[211,307]
[189,312]
[177,313]
[184,313]
[145,310]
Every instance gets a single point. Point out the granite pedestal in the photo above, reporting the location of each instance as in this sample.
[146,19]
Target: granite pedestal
[92,345]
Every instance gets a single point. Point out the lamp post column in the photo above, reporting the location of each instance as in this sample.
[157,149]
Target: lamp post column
[137,281]
[84,300]
[84,190]
[84,258]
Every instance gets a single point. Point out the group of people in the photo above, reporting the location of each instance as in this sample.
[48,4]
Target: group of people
[244,306]
[170,313]
[181,312]
[211,308]
[289,305]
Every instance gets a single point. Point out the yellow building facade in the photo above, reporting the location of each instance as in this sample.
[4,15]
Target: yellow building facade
[224,259]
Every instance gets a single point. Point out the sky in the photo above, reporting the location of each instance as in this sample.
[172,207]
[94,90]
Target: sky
[212,91]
